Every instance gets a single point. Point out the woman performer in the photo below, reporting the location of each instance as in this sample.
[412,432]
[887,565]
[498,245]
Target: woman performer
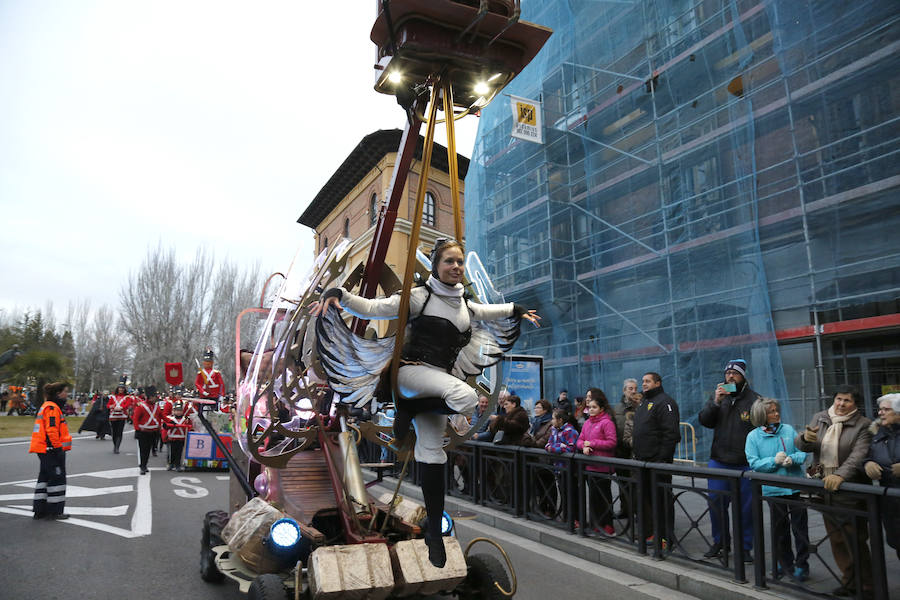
[445,343]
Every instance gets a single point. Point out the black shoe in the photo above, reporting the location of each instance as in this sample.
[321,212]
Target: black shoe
[143,470]
[39,516]
[154,453]
[715,551]
[59,517]
[436,553]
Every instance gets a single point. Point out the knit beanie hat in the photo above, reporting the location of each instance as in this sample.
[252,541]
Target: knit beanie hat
[737,364]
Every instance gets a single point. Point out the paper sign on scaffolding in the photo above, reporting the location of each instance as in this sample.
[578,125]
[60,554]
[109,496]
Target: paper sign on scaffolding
[527,119]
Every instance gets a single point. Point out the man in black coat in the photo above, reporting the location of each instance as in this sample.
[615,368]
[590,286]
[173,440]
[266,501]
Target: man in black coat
[656,435]
[727,413]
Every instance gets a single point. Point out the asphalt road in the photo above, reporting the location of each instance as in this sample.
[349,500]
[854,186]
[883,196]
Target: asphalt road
[138,537]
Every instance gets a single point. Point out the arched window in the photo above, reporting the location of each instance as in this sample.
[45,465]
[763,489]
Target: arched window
[428,211]
[373,209]
[347,228]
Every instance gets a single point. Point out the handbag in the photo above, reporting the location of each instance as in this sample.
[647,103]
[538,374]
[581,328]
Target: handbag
[815,471]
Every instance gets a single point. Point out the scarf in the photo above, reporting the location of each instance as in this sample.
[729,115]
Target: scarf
[442,289]
[831,441]
[539,422]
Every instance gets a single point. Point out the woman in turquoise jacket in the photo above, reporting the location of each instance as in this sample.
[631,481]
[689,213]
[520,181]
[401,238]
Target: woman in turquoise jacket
[770,449]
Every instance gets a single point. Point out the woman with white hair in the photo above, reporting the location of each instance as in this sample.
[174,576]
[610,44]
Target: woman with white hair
[770,449]
[883,463]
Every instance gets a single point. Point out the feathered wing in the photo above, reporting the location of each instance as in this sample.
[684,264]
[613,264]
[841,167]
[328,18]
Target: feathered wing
[353,364]
[489,341]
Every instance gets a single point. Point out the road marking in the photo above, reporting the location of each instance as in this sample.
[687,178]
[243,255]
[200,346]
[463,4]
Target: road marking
[141,520]
[76,437]
[113,473]
[98,511]
[223,477]
[192,491]
[77,491]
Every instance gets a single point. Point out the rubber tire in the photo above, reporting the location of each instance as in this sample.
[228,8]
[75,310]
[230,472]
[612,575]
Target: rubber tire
[213,523]
[267,587]
[484,570]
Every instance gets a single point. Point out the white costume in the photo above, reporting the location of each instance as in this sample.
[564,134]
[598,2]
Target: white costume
[425,380]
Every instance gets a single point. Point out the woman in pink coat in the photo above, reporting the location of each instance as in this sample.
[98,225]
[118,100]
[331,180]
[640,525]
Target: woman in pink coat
[598,438]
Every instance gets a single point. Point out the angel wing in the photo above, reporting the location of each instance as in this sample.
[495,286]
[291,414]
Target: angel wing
[489,341]
[352,364]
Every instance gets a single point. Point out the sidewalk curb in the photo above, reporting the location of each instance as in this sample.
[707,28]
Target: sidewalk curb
[631,575]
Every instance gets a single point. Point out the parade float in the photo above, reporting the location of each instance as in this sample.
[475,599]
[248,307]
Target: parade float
[301,520]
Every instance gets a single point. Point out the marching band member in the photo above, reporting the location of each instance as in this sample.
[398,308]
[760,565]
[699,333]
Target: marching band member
[448,339]
[175,428]
[166,403]
[146,418]
[209,382]
[119,405]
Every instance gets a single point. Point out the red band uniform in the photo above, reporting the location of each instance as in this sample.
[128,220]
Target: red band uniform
[175,429]
[146,417]
[119,405]
[50,440]
[209,384]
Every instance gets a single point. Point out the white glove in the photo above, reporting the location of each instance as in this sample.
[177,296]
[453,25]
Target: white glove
[779,458]
[788,461]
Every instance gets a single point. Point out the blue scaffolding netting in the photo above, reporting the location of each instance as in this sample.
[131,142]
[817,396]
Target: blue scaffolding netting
[712,173]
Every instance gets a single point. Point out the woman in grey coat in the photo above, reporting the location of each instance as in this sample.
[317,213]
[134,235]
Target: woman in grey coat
[839,439]
[883,463]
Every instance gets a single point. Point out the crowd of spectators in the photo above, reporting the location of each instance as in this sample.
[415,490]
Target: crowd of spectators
[839,445]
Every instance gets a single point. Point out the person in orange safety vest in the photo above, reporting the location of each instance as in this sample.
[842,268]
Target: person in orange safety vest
[50,440]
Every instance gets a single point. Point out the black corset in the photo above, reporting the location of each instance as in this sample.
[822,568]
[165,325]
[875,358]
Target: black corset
[434,340]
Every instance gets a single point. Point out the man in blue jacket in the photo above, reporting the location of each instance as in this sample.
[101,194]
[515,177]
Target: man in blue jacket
[727,413]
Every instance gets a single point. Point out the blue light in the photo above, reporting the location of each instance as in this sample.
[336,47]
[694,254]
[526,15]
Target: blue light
[284,534]
[446,524]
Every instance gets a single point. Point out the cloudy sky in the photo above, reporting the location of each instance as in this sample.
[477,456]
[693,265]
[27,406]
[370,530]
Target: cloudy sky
[124,124]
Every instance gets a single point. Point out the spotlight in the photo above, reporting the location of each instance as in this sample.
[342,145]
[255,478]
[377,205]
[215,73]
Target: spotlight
[482,89]
[446,524]
[395,77]
[285,543]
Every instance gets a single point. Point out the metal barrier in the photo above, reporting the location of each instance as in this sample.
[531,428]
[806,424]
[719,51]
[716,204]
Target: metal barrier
[665,508]
[686,450]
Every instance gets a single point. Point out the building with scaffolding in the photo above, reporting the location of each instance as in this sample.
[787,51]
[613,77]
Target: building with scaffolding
[718,179]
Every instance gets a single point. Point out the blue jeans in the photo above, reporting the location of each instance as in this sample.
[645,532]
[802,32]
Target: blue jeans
[718,507]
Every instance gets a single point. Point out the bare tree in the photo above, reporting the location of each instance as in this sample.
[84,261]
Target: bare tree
[235,289]
[171,312]
[104,355]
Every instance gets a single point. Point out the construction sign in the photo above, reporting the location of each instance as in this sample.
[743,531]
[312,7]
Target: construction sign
[527,119]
